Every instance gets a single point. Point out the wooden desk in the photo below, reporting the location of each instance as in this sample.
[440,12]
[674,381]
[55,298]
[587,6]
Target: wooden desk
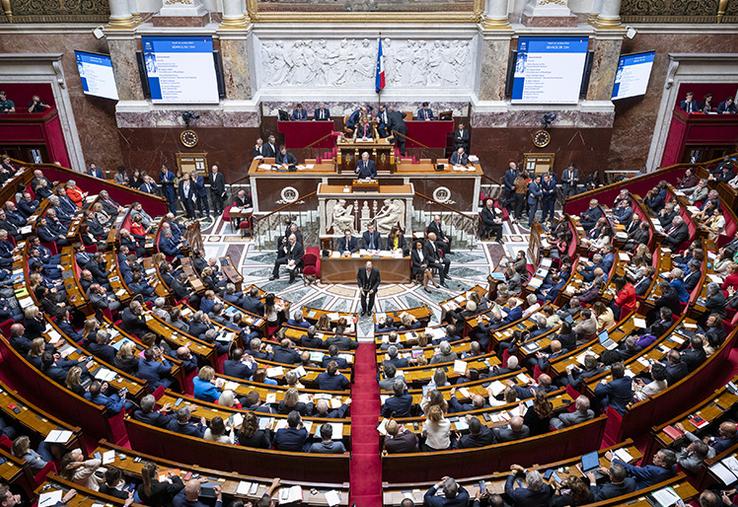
[349,153]
[125,460]
[344,269]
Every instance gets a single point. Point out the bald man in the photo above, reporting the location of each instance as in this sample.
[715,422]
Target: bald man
[190,495]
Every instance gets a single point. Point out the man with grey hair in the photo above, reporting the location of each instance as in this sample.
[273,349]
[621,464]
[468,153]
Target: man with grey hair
[445,354]
[392,339]
[160,311]
[393,358]
[581,414]
[676,234]
[149,415]
[531,491]
[454,495]
[661,468]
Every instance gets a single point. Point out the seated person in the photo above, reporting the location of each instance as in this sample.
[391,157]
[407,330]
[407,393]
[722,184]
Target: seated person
[581,414]
[299,113]
[371,239]
[400,403]
[327,445]
[347,244]
[364,130]
[284,158]
[662,468]
[618,393]
[424,113]
[459,157]
[294,436]
[399,439]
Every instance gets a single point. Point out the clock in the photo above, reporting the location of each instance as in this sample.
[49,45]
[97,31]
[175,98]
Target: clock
[541,138]
[188,138]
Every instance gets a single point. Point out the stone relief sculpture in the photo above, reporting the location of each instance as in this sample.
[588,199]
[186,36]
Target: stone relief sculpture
[392,214]
[340,216]
[349,63]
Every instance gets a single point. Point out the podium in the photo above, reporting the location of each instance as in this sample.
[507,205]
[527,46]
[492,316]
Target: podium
[348,152]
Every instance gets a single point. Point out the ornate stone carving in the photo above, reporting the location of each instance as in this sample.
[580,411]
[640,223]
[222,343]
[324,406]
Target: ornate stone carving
[340,216]
[392,214]
[670,11]
[55,11]
[349,63]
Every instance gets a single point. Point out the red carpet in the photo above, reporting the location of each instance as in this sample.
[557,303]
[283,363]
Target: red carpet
[366,464]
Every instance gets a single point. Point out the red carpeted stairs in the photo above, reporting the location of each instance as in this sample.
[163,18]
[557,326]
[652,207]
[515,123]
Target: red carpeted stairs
[366,464]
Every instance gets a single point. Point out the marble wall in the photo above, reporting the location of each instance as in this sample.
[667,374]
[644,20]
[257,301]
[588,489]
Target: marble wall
[635,118]
[95,117]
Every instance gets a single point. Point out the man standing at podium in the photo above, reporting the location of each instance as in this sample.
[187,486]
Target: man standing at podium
[368,280]
[366,169]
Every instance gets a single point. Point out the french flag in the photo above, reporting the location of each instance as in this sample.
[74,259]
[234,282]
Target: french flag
[379,79]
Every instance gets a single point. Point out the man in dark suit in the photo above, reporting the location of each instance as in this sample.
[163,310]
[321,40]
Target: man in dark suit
[187,195]
[148,415]
[676,369]
[399,439]
[461,137]
[290,254]
[285,158]
[299,113]
[570,180]
[217,189]
[508,182]
[617,393]
[371,239]
[727,106]
[689,104]
[424,113]
[479,435]
[368,280]
[322,113]
[398,129]
[270,148]
[259,149]
[532,491]
[293,437]
[383,121]
[661,468]
[454,495]
[459,157]
[620,484]
[366,169]
[237,367]
[442,240]
[677,233]
[591,215]
[181,424]
[347,244]
[399,404]
[491,221]
[434,259]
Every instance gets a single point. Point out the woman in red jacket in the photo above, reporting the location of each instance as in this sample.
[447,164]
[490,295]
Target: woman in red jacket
[625,299]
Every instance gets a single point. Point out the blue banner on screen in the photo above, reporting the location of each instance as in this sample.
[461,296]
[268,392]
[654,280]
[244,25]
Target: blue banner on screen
[634,71]
[549,70]
[181,70]
[96,74]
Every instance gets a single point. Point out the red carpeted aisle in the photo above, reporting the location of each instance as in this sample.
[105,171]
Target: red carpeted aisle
[366,464]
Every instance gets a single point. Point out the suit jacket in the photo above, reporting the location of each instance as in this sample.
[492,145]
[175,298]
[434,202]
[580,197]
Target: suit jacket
[397,406]
[217,183]
[366,170]
[368,283]
[299,114]
[322,113]
[461,138]
[691,107]
[619,393]
[364,131]
[190,194]
[526,497]
[374,238]
[610,490]
[294,254]
[457,159]
[406,441]
[646,475]
[352,246]
[570,176]
[437,230]
[237,369]
[485,437]
[288,158]
[290,439]
[269,150]
[506,434]
[675,236]
[424,113]
[432,500]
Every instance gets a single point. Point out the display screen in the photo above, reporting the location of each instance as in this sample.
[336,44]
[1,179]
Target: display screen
[96,74]
[634,71]
[180,70]
[549,70]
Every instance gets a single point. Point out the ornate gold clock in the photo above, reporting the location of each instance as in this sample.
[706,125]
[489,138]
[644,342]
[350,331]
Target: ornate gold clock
[188,138]
[541,138]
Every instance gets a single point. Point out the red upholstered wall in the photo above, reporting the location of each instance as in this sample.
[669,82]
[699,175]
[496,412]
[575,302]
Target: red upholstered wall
[55,145]
[21,93]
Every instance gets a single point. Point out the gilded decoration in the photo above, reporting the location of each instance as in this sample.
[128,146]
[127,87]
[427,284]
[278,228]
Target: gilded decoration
[678,11]
[55,11]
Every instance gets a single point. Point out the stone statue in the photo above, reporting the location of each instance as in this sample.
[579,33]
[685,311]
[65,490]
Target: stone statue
[392,214]
[341,217]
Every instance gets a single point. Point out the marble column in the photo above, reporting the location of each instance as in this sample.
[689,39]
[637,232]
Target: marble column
[495,50]
[609,14]
[604,65]
[236,54]
[495,14]
[234,14]
[120,14]
[123,49]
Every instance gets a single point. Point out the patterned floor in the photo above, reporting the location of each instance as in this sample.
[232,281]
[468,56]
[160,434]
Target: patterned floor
[468,268]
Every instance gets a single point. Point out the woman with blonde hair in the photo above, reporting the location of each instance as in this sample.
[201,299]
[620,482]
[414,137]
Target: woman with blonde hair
[125,358]
[73,382]
[437,430]
[34,322]
[605,316]
[38,346]
[205,385]
[290,402]
[89,330]
[36,460]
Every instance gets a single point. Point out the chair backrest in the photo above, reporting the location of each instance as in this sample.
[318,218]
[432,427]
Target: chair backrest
[309,259]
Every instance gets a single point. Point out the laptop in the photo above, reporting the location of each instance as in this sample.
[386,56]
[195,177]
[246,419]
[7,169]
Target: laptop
[590,461]
[605,340]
